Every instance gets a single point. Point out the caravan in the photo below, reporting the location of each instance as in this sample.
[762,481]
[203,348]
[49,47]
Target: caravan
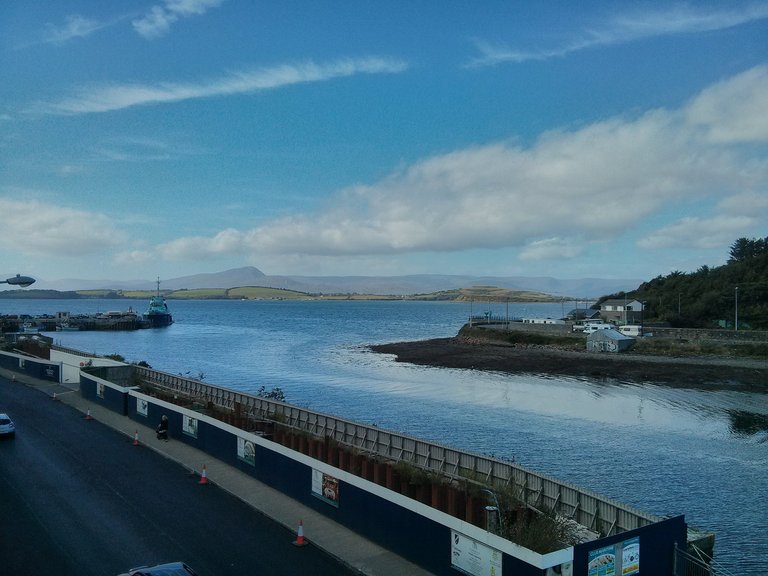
[634,330]
[591,327]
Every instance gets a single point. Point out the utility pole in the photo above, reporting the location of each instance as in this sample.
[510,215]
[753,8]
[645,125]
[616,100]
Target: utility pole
[736,311]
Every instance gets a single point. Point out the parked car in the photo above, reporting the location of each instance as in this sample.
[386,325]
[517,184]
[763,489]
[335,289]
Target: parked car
[7,427]
[170,569]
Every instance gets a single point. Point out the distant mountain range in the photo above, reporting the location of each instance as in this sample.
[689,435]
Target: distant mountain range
[381,285]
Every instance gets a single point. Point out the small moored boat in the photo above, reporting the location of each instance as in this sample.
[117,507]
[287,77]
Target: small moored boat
[158,315]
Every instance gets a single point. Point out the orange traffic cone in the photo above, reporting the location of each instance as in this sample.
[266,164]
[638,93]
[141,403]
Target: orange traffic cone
[300,541]
[88,415]
[136,438]
[203,476]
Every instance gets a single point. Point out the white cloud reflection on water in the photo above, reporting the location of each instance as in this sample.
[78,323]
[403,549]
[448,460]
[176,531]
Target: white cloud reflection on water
[654,407]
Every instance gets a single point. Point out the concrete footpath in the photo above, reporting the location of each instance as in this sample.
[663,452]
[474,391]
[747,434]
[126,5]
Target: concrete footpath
[343,544]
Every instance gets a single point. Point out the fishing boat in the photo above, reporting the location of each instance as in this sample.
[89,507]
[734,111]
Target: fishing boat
[158,315]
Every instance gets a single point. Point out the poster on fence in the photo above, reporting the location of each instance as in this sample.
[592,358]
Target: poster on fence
[602,562]
[474,558]
[630,557]
[325,487]
[246,451]
[622,559]
[189,425]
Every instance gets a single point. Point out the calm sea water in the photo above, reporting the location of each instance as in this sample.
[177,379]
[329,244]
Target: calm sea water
[667,451]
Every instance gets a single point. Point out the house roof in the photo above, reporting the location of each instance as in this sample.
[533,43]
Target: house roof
[608,334]
[583,313]
[619,302]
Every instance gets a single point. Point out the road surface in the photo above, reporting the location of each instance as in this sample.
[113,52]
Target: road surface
[78,498]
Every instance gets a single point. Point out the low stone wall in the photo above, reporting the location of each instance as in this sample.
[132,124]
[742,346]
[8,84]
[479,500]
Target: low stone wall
[551,329]
[702,334]
[695,334]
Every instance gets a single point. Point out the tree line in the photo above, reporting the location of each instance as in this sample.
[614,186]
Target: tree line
[712,297]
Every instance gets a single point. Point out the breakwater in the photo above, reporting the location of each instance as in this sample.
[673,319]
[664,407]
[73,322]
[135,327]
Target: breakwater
[64,321]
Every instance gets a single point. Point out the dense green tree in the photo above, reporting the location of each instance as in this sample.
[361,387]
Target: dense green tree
[746,249]
[712,296]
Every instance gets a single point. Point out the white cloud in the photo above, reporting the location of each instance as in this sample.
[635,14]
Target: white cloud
[697,232]
[680,19]
[132,257]
[747,203]
[117,97]
[683,19]
[549,200]
[595,184]
[34,228]
[70,169]
[740,215]
[197,247]
[551,249]
[158,20]
[735,110]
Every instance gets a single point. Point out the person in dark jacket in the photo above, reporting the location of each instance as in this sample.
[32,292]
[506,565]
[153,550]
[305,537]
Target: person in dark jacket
[162,428]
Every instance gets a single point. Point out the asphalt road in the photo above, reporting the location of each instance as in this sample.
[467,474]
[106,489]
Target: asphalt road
[78,498]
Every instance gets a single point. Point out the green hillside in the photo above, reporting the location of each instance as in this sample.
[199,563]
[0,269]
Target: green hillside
[487,294]
[712,297]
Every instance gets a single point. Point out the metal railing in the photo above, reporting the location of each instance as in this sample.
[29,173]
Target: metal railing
[591,510]
[694,562]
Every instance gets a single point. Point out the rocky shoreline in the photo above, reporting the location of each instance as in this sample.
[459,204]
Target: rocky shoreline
[713,373]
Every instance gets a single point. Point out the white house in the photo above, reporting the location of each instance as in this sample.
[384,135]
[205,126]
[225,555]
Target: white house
[622,311]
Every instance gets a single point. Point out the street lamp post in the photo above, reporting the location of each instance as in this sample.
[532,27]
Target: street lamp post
[736,311]
[494,509]
[19,280]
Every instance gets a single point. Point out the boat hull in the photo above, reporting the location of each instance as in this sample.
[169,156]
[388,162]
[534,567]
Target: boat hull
[158,320]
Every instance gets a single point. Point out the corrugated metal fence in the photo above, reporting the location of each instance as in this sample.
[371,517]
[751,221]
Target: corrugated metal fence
[596,512]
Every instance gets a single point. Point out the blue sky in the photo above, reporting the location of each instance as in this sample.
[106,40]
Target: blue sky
[591,139]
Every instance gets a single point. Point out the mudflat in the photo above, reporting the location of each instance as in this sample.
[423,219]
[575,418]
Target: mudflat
[716,373]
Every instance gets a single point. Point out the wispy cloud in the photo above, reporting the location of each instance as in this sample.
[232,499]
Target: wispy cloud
[568,189]
[551,249]
[74,27]
[158,20]
[154,23]
[124,149]
[117,97]
[681,19]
